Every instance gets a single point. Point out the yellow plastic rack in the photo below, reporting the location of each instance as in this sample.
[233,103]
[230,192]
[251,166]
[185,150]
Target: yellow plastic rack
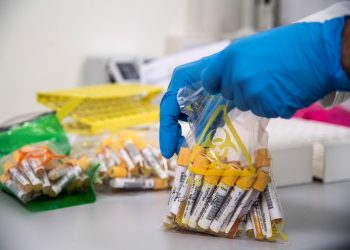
[101,108]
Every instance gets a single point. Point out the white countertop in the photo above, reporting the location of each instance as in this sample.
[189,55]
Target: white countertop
[317,217]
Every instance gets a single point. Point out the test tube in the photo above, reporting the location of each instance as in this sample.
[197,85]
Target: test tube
[210,182]
[132,168]
[36,166]
[28,172]
[151,159]
[223,216]
[180,175]
[71,174]
[113,156]
[136,157]
[250,197]
[17,191]
[219,196]
[201,162]
[46,183]
[57,172]
[184,188]
[19,177]
[274,208]
[249,227]
[138,183]
[257,220]
[102,169]
[117,172]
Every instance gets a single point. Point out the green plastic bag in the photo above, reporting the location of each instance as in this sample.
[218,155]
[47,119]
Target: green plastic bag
[47,130]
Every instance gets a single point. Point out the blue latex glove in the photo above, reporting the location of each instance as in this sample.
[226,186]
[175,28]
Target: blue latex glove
[170,135]
[277,72]
[272,73]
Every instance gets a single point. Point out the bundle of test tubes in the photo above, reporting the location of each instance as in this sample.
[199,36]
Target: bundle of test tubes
[34,171]
[228,200]
[128,162]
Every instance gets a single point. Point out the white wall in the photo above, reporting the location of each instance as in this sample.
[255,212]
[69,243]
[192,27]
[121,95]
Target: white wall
[43,44]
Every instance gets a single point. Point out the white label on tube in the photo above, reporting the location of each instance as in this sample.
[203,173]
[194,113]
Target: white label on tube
[266,217]
[194,192]
[202,201]
[127,159]
[227,209]
[178,180]
[133,151]
[214,205]
[243,207]
[272,202]
[249,224]
[131,183]
[18,176]
[181,194]
[15,189]
[154,163]
[29,173]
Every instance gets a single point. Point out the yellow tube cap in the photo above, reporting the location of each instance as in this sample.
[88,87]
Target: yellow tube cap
[246,180]
[183,157]
[231,175]
[261,181]
[262,158]
[213,174]
[117,172]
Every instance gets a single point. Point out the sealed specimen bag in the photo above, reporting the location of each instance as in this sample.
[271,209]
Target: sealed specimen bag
[35,167]
[223,179]
[128,160]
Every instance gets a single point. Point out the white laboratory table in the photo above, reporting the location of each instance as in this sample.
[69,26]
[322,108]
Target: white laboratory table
[317,217]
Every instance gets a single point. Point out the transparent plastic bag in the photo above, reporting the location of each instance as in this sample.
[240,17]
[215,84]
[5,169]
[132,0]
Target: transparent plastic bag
[35,168]
[129,160]
[43,180]
[223,179]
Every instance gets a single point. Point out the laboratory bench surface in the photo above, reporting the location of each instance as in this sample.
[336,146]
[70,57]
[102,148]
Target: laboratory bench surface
[317,217]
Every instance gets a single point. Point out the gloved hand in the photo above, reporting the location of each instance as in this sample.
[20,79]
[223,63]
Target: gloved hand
[277,72]
[170,135]
[272,73]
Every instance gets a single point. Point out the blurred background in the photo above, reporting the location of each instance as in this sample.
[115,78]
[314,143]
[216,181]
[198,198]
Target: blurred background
[49,45]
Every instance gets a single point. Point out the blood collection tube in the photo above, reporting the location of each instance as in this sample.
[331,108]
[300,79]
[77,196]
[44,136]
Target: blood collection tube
[72,173]
[36,166]
[136,157]
[102,169]
[223,216]
[117,172]
[19,178]
[46,183]
[111,157]
[57,172]
[274,208]
[138,183]
[17,190]
[180,171]
[188,177]
[257,220]
[28,172]
[201,162]
[209,184]
[218,198]
[249,227]
[132,168]
[152,160]
[250,197]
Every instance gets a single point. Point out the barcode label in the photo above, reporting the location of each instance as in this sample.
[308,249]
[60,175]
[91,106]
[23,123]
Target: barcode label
[268,198]
[215,205]
[182,177]
[223,207]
